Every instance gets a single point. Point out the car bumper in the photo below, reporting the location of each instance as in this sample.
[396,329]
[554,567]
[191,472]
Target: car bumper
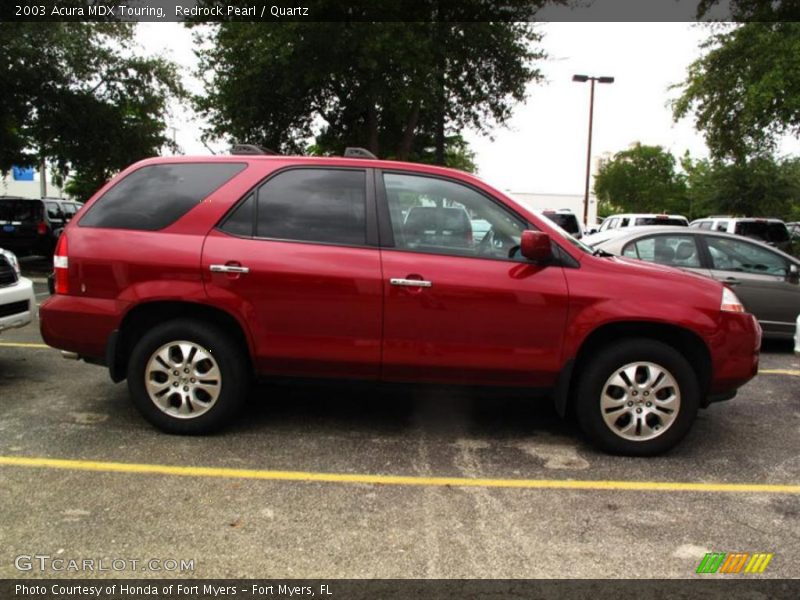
[734,353]
[797,336]
[79,325]
[17,304]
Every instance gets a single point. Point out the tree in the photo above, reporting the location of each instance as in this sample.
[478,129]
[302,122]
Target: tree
[391,87]
[744,92]
[754,10]
[642,179]
[759,187]
[74,98]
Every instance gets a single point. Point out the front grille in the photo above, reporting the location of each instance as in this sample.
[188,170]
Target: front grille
[15,308]
[8,275]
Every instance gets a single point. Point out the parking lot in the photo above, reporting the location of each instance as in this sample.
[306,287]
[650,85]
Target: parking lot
[321,480]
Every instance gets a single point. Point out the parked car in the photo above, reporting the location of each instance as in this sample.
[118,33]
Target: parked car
[765,279]
[565,219]
[32,225]
[772,231]
[642,219]
[17,300]
[188,276]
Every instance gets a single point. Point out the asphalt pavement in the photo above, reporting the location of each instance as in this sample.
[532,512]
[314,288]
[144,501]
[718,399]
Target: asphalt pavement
[337,481]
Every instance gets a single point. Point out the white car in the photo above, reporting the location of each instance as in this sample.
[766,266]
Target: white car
[17,300]
[642,219]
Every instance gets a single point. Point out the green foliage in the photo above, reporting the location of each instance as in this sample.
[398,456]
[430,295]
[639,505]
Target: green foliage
[744,92]
[645,179]
[641,179]
[759,187]
[386,86]
[754,10]
[74,97]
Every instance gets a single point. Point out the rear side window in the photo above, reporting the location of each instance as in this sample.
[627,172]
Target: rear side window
[314,205]
[20,211]
[54,212]
[661,221]
[763,230]
[156,196]
[777,232]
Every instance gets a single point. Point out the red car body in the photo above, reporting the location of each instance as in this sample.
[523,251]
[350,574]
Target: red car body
[309,309]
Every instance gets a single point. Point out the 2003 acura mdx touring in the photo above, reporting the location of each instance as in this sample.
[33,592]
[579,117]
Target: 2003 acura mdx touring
[190,275]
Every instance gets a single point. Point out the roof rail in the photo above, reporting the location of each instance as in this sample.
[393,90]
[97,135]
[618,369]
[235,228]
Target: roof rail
[354,152]
[252,149]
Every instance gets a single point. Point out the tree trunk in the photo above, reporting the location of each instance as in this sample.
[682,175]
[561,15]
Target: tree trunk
[372,129]
[408,133]
[441,107]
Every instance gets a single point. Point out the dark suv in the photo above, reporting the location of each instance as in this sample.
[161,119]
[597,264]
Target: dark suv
[566,220]
[32,225]
[188,276]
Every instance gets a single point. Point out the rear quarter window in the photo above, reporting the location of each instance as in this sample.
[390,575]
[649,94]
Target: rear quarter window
[156,196]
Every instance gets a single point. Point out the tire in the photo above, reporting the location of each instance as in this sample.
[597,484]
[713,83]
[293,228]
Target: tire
[211,385]
[651,409]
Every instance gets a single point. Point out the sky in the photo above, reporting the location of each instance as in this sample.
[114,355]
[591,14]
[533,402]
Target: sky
[543,147]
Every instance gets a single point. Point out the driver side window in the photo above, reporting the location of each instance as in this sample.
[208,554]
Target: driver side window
[443,217]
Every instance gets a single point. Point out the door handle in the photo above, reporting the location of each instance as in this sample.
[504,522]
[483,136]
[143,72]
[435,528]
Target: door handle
[411,282]
[228,269]
[732,281]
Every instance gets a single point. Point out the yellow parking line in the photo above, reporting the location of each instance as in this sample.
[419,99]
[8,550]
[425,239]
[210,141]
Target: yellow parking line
[792,372]
[22,345]
[402,480]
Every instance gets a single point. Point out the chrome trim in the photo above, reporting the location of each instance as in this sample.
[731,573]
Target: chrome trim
[228,269]
[410,282]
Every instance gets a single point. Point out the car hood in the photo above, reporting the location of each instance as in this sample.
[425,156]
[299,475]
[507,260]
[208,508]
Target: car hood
[636,282]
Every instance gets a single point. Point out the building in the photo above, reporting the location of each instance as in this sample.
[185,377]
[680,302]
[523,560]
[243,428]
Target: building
[27,183]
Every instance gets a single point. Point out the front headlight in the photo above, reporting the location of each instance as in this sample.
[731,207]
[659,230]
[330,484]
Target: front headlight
[730,303]
[12,258]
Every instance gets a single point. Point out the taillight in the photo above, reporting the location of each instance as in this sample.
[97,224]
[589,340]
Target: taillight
[41,229]
[61,266]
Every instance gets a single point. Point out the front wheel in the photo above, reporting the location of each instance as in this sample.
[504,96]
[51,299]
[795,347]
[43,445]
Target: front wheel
[187,377]
[637,397]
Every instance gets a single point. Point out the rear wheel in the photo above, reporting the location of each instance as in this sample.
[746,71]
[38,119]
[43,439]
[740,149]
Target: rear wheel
[187,377]
[638,397]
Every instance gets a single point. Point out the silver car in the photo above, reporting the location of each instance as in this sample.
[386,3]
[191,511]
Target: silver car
[766,280]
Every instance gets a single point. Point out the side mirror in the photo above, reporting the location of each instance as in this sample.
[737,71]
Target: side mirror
[793,274]
[535,246]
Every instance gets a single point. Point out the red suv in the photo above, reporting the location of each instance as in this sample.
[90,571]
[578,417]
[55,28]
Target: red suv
[188,276]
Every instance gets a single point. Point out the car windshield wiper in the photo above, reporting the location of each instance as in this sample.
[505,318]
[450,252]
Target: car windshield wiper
[603,253]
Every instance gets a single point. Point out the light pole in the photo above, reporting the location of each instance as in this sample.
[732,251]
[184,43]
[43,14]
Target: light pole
[592,79]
